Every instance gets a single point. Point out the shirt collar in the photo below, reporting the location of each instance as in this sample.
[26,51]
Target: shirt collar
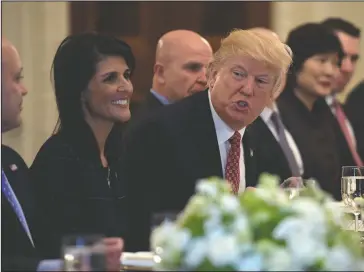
[160,97]
[330,100]
[223,131]
[267,112]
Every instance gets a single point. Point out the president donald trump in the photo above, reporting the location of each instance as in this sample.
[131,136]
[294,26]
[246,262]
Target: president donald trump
[205,134]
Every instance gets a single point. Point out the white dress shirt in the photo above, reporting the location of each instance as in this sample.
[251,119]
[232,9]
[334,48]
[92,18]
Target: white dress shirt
[266,117]
[330,102]
[224,133]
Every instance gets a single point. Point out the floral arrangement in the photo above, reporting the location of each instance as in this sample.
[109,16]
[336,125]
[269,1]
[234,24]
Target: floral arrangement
[258,230]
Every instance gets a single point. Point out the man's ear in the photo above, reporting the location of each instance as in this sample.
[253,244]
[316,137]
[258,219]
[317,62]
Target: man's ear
[158,70]
[281,86]
[212,79]
[83,96]
[275,95]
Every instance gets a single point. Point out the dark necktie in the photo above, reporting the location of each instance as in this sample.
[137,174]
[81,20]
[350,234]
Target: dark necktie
[232,170]
[11,197]
[282,139]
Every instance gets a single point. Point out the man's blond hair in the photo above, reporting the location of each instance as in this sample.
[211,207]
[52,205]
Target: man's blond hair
[259,45]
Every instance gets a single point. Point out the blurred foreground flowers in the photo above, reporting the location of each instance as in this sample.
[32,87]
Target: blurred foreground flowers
[258,230]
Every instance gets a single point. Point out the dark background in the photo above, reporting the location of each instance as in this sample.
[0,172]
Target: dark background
[141,24]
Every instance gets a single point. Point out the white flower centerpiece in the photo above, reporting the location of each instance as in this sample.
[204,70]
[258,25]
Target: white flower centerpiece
[258,230]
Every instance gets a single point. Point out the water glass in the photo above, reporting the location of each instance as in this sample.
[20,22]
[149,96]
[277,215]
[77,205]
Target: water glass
[352,185]
[84,253]
[352,188]
[292,186]
[161,217]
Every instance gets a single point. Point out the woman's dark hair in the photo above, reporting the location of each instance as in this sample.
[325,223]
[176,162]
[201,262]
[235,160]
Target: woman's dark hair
[73,67]
[306,41]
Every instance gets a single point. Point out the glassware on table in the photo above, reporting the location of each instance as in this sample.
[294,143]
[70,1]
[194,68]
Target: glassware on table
[352,188]
[159,218]
[83,253]
[292,186]
[352,185]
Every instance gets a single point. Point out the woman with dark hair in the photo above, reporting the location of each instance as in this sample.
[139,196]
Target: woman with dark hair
[317,54]
[76,172]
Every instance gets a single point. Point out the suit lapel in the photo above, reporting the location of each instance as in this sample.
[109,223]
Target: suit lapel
[203,130]
[249,159]
[268,140]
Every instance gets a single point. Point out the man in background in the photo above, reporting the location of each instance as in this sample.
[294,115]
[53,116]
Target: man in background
[179,70]
[348,141]
[18,224]
[355,112]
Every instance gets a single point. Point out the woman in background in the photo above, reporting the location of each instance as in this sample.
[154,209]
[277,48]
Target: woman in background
[75,173]
[317,55]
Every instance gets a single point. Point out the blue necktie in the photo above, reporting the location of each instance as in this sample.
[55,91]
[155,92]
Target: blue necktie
[11,197]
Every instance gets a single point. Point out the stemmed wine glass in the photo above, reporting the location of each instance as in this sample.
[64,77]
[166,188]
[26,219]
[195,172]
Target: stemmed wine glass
[352,188]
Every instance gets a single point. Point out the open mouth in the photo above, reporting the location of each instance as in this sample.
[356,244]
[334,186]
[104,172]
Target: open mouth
[242,105]
[122,102]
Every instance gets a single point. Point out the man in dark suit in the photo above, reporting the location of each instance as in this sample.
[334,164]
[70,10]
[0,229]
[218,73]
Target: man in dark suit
[179,70]
[17,208]
[203,135]
[355,112]
[348,141]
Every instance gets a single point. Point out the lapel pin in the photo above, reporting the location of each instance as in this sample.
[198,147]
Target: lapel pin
[251,153]
[13,167]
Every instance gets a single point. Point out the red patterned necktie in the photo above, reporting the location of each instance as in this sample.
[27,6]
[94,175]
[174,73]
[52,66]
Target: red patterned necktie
[232,170]
[341,117]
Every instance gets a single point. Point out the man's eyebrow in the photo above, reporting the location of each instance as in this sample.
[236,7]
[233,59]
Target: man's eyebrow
[190,63]
[239,66]
[19,72]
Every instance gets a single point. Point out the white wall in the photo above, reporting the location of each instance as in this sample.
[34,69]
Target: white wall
[36,29]
[287,15]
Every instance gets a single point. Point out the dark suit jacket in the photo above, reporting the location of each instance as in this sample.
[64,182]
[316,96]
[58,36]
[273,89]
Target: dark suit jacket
[315,138]
[269,154]
[343,149]
[165,156]
[355,112]
[146,108]
[150,103]
[17,251]
[72,187]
